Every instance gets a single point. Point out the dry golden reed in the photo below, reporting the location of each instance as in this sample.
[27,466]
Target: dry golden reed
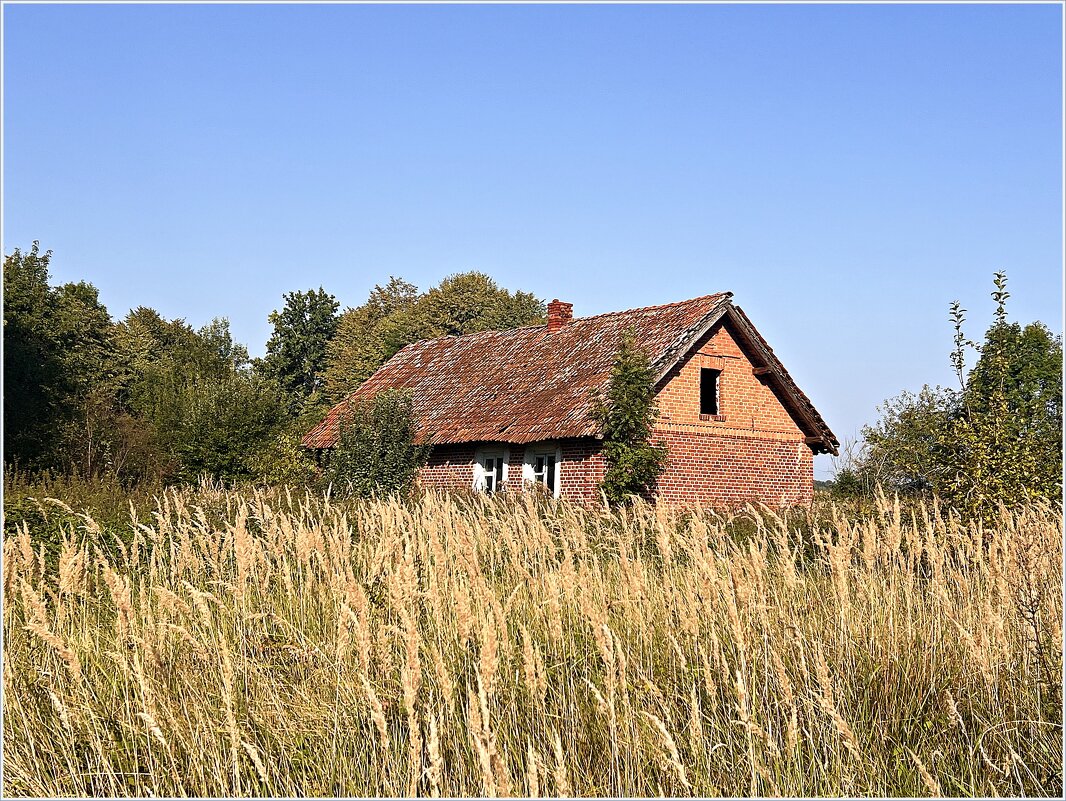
[268,643]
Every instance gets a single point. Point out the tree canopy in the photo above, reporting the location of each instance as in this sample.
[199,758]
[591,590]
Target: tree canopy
[147,397]
[396,315]
[296,351]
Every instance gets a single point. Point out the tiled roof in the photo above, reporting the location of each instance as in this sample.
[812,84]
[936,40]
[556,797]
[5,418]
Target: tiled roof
[526,384]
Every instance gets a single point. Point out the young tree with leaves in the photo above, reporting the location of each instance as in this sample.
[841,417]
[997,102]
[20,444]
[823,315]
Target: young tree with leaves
[626,416]
[998,438]
[1008,432]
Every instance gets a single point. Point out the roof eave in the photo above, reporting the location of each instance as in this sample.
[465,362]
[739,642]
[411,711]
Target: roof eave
[819,438]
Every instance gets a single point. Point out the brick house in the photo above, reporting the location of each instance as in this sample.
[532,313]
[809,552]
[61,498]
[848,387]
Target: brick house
[503,409]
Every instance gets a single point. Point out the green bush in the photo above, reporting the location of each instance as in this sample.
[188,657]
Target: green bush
[375,453]
[50,507]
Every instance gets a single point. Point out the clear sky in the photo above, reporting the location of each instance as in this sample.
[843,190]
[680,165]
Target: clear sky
[845,171]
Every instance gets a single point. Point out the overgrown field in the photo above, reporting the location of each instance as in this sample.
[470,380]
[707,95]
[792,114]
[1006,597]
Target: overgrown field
[266,644]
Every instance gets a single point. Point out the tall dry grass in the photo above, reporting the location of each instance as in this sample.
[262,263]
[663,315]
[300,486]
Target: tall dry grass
[261,644]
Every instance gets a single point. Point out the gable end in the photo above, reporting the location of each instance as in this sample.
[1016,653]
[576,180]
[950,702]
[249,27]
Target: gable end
[766,366]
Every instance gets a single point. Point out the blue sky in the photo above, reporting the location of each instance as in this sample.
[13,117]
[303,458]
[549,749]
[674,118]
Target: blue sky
[845,171]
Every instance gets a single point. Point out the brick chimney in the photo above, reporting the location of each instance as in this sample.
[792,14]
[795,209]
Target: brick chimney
[559,314]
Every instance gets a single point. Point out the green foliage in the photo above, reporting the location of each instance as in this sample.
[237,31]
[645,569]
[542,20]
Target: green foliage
[143,399]
[996,439]
[36,371]
[376,454]
[368,336]
[50,523]
[198,407]
[84,334]
[224,424]
[910,447]
[282,461]
[296,351]
[470,302]
[217,339]
[396,315]
[626,417]
[157,400]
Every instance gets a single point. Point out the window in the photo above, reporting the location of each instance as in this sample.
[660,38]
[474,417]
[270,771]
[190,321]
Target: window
[490,470]
[709,380]
[544,471]
[542,465]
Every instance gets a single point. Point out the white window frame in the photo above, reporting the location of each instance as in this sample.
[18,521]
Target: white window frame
[551,449]
[480,456]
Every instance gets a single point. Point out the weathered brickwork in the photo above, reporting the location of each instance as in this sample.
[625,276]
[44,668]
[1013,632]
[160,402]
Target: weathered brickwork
[752,450]
[450,467]
[720,471]
[749,406]
[582,471]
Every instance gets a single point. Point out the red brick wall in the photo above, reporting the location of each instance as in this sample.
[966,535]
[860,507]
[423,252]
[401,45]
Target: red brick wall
[752,451]
[750,406]
[704,469]
[449,467]
[582,471]
[709,470]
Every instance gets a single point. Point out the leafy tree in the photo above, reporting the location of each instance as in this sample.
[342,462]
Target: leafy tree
[33,370]
[470,302]
[282,460]
[84,334]
[144,398]
[296,351]
[58,348]
[1008,433]
[997,438]
[216,337]
[626,418]
[909,448]
[200,408]
[375,453]
[225,425]
[151,349]
[368,336]
[396,315]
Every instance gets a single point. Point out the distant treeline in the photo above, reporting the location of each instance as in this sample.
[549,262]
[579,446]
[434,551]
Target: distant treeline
[150,399]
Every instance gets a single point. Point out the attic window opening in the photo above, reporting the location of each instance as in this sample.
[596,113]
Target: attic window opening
[709,390]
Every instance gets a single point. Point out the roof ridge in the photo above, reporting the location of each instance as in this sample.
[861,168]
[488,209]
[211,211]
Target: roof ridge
[574,320]
[656,307]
